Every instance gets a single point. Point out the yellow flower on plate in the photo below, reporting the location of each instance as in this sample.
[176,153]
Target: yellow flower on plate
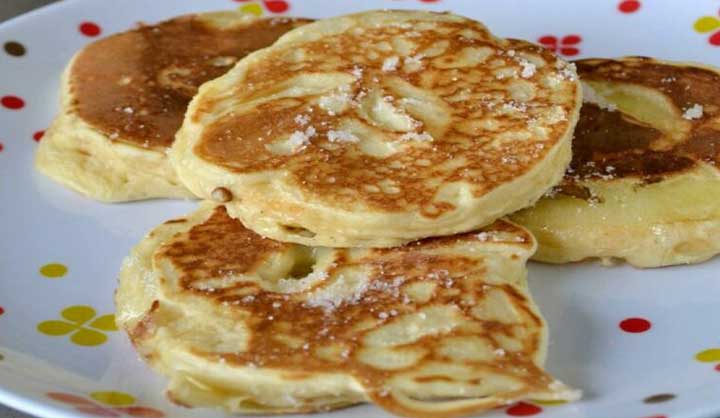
[710,355]
[113,398]
[251,8]
[53,270]
[81,323]
[706,24]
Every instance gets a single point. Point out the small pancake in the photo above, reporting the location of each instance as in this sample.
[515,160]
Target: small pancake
[124,97]
[439,328]
[378,128]
[644,182]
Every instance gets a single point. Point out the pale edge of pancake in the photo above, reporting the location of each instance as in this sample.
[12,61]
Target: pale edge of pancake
[667,223]
[675,221]
[269,216]
[75,154]
[196,381]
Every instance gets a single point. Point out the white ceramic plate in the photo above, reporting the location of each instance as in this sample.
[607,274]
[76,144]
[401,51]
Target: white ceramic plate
[60,253]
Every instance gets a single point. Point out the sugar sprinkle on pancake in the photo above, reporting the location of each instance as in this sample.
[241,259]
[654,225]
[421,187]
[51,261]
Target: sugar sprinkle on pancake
[442,327]
[645,169]
[124,97]
[380,128]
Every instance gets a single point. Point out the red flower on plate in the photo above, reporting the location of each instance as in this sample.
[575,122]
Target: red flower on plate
[567,45]
[274,6]
[523,409]
[629,6]
[707,24]
[90,29]
[635,325]
[12,102]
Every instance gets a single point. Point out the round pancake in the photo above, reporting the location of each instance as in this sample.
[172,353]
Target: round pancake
[644,181]
[124,97]
[439,328]
[378,128]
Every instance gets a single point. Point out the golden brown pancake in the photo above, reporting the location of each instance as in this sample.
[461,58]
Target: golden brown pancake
[439,328]
[124,97]
[644,181]
[380,128]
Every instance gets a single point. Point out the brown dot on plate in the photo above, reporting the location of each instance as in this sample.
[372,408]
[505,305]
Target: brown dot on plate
[2,357]
[14,48]
[660,397]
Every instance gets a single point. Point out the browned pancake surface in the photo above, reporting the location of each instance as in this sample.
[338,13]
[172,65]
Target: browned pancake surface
[345,173]
[135,86]
[610,144]
[288,333]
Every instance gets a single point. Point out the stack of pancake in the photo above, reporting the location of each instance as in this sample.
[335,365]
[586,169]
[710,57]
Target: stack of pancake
[355,172]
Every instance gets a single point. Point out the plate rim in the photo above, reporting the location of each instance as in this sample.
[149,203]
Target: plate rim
[26,403]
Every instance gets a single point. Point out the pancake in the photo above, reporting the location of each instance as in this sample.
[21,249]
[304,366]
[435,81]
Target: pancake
[124,97]
[442,327]
[379,128]
[644,182]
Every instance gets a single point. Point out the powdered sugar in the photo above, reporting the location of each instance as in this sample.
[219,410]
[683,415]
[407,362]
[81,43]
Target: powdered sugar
[414,63]
[414,136]
[357,72]
[335,103]
[299,140]
[342,136]
[302,120]
[566,70]
[336,294]
[513,106]
[497,236]
[528,68]
[390,64]
[694,112]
